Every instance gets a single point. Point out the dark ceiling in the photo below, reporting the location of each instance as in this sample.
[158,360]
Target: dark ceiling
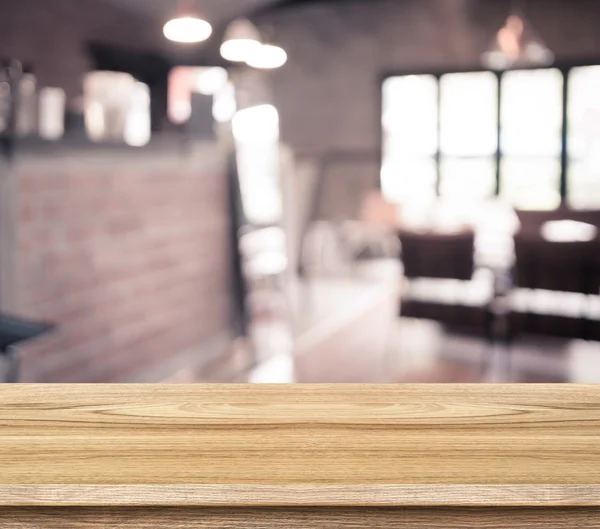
[216,11]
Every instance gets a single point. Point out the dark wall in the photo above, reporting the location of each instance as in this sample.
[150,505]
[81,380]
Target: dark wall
[328,93]
[51,35]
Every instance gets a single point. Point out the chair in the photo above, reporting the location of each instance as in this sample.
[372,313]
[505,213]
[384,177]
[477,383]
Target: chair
[436,255]
[565,267]
[556,266]
[532,221]
[461,302]
[13,331]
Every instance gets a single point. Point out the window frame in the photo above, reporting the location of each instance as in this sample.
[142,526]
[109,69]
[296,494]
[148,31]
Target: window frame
[562,67]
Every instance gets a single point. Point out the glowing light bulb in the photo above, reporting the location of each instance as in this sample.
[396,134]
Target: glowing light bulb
[187,30]
[267,56]
[241,41]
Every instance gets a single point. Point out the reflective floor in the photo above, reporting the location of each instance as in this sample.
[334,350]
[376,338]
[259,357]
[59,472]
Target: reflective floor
[347,330]
[420,351]
[414,351]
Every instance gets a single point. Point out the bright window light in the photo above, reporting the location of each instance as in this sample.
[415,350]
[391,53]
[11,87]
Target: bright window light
[209,81]
[225,105]
[95,124]
[583,169]
[409,121]
[410,115]
[52,103]
[138,130]
[468,114]
[259,124]
[532,112]
[256,133]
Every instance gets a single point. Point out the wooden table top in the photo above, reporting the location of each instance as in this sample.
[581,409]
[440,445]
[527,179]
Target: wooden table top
[300,445]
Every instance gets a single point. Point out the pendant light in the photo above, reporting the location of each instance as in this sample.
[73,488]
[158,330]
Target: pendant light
[241,41]
[267,57]
[187,26]
[517,44]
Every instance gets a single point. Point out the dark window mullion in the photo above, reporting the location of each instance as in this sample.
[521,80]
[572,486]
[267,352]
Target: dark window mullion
[499,131]
[564,188]
[438,154]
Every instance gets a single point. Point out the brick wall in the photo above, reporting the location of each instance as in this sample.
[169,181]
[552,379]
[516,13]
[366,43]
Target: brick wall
[128,254]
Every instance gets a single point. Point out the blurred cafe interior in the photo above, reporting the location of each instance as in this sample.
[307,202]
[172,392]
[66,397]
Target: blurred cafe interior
[376,191]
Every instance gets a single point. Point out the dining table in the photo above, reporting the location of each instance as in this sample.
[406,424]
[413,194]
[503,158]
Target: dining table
[299,456]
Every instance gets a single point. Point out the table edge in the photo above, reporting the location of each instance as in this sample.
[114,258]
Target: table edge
[242,495]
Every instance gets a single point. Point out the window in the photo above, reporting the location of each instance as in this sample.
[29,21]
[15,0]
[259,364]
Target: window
[531,138]
[583,145]
[410,123]
[468,135]
[256,136]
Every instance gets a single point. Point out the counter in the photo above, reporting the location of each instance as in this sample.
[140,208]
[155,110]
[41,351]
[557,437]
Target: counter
[126,250]
[287,455]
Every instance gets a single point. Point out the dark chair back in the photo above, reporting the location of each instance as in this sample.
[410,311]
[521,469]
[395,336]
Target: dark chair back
[435,255]
[557,266]
[532,221]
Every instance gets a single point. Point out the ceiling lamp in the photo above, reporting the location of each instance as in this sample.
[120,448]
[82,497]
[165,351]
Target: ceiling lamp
[241,41]
[267,57]
[517,44]
[187,26]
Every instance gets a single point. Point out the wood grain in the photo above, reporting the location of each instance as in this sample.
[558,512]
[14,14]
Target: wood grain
[300,495]
[313,518]
[545,438]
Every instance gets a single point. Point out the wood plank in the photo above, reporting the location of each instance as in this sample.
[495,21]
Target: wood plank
[310,435]
[300,495]
[315,518]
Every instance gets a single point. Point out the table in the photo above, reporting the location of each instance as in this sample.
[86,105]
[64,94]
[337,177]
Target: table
[250,456]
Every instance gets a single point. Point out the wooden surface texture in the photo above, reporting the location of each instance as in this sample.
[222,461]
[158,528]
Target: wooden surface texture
[298,518]
[338,445]
[300,495]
